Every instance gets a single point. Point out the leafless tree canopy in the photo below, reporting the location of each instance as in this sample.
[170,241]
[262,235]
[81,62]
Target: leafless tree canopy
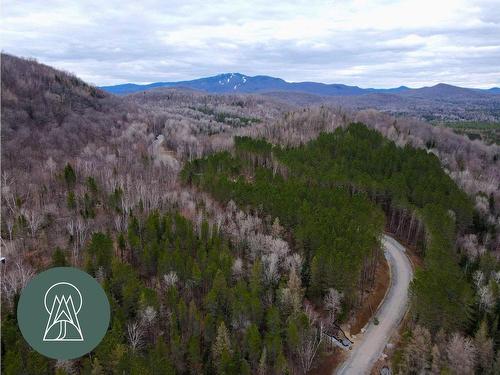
[76,161]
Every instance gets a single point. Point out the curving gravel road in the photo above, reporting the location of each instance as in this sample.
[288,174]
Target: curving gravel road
[369,346]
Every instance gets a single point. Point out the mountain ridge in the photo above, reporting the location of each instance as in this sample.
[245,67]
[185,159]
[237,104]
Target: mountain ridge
[241,83]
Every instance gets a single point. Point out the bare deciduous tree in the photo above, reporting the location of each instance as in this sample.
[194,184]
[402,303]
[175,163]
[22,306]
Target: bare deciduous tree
[461,354]
[15,278]
[333,303]
[277,229]
[34,218]
[9,222]
[485,351]
[293,294]
[307,348]
[270,263]
[135,335]
[237,268]
[66,365]
[170,279]
[487,298]
[81,229]
[417,357]
[148,315]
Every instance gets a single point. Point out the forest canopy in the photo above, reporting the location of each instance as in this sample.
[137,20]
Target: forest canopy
[91,181]
[331,194]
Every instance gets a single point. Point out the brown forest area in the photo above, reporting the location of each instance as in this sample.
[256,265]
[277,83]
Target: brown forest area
[78,162]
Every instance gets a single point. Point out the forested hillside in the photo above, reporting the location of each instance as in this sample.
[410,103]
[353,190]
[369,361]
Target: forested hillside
[52,113]
[226,229]
[356,166]
[318,215]
[183,301]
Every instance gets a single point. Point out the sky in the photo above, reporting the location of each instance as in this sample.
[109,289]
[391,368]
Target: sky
[378,43]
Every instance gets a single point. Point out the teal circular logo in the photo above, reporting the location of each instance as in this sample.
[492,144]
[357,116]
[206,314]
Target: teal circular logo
[63,313]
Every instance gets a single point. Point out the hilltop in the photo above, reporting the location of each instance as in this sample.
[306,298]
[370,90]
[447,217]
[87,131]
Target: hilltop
[441,102]
[241,83]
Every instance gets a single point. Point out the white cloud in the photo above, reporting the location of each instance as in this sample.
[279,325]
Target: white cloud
[368,43]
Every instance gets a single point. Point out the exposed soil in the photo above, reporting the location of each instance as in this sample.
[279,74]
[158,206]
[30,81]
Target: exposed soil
[373,298]
[392,311]
[328,362]
[415,258]
[413,253]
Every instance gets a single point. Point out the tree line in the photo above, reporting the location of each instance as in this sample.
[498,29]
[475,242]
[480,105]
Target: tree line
[316,190]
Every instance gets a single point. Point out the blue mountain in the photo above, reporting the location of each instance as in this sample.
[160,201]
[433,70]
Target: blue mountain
[240,83]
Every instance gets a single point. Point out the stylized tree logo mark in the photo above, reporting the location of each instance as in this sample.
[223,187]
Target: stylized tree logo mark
[66,302]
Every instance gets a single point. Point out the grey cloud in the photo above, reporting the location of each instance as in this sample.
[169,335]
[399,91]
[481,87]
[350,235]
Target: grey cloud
[117,42]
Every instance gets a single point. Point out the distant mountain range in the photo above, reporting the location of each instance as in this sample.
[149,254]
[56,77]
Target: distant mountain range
[240,83]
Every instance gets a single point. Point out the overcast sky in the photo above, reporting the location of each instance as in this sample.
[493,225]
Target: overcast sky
[366,43]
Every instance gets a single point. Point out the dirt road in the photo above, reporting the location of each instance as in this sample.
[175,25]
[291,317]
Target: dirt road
[369,346]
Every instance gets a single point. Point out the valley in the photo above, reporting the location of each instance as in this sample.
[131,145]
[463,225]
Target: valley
[440,102]
[228,229]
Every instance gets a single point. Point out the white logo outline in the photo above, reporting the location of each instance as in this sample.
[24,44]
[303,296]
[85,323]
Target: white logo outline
[69,315]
